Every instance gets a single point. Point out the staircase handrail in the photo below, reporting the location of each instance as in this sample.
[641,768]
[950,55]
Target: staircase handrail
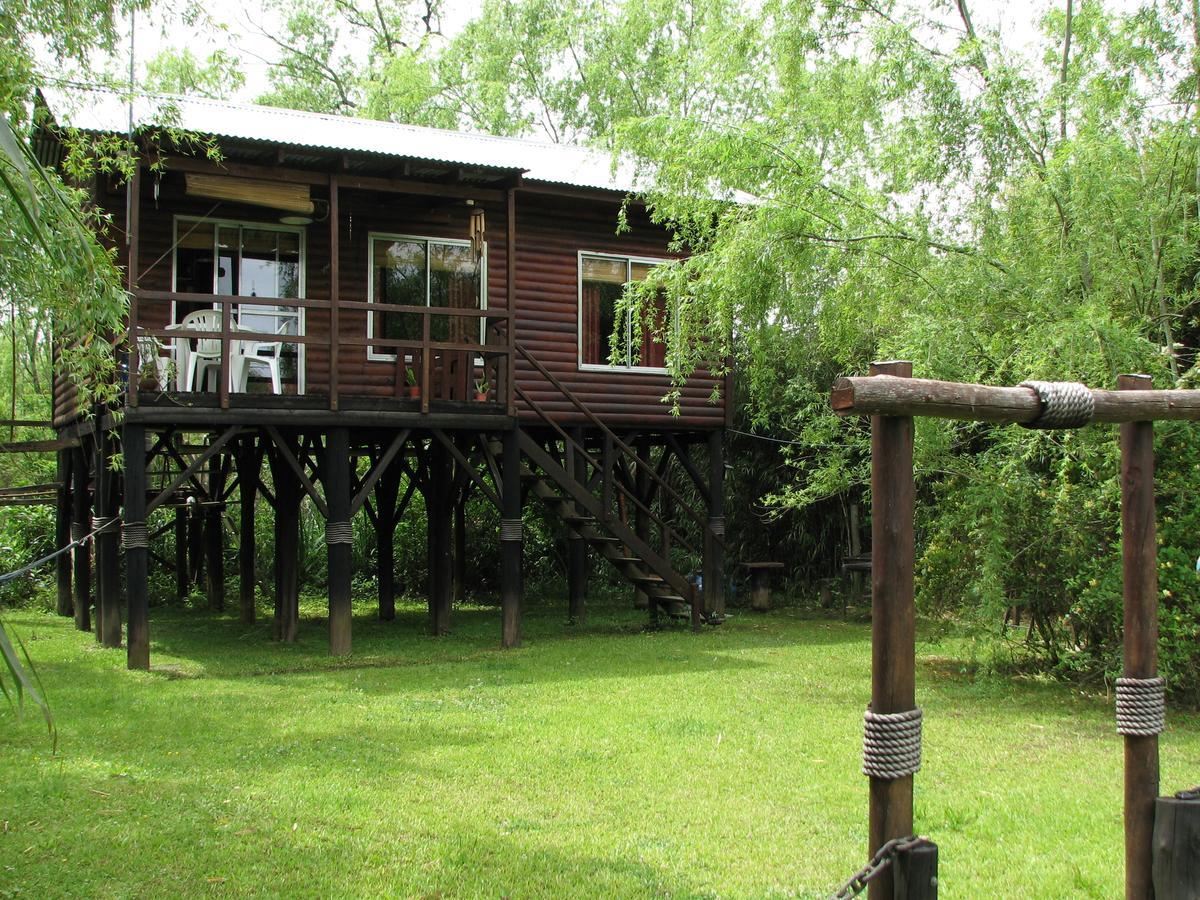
[625,448]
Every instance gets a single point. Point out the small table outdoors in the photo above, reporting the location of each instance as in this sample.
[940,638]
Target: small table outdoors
[760,583]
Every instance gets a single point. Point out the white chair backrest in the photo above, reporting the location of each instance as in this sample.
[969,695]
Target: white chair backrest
[204,320]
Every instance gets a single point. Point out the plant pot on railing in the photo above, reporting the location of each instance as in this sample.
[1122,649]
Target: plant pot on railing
[412,390]
[481,390]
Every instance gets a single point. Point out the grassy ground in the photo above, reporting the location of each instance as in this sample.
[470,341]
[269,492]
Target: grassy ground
[597,761]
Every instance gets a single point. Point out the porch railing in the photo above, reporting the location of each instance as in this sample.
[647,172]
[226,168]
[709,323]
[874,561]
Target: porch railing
[441,368]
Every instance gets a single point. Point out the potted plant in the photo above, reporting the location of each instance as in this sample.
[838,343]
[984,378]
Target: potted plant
[481,390]
[414,389]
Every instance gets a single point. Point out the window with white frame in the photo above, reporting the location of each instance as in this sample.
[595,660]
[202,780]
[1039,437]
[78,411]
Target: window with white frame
[242,259]
[602,280]
[430,272]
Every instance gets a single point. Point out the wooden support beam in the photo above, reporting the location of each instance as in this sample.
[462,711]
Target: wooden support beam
[288,495]
[714,531]
[334,291]
[249,462]
[108,578]
[81,556]
[437,505]
[336,474]
[387,488]
[577,548]
[466,466]
[62,533]
[183,585]
[511,540]
[133,452]
[214,541]
[893,615]
[287,452]
[192,468]
[380,466]
[641,520]
[1139,558]
[888,395]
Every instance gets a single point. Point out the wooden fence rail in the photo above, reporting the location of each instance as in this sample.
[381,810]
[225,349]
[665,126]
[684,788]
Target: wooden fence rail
[424,352]
[893,399]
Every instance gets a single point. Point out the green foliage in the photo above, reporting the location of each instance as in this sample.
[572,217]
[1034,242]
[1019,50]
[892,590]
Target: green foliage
[175,71]
[987,217]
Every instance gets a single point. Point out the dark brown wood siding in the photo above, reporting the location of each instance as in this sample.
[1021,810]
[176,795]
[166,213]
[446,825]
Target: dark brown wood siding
[551,231]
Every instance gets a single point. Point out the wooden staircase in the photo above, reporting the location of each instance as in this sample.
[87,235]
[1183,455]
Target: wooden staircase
[595,519]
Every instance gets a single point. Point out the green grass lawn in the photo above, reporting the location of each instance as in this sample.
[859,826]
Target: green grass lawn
[597,761]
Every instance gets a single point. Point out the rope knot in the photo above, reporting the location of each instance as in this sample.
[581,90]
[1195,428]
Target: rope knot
[1062,404]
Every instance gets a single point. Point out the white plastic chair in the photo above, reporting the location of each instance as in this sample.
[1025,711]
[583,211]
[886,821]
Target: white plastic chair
[206,355]
[263,353]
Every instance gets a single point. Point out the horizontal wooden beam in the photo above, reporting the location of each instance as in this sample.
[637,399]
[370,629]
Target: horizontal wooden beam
[345,181]
[39,446]
[890,396]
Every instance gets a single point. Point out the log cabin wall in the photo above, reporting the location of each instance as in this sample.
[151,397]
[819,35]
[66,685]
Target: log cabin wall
[551,232]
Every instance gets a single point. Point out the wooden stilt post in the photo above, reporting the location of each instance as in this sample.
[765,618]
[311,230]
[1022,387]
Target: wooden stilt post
[214,538]
[1140,566]
[438,516]
[893,617]
[387,490]
[714,550]
[81,525]
[459,570]
[338,537]
[137,546]
[577,550]
[107,545]
[183,583]
[196,543]
[248,464]
[641,521]
[511,540]
[287,547]
[62,534]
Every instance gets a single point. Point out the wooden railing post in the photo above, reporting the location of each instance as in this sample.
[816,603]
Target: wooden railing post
[334,292]
[133,196]
[510,297]
[1140,566]
[226,346]
[426,353]
[893,617]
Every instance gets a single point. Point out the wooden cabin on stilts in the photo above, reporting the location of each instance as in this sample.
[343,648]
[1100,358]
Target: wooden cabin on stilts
[365,310]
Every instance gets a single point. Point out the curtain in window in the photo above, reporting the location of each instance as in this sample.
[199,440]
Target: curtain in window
[591,325]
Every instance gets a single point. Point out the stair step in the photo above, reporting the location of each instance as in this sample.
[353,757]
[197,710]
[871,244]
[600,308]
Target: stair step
[601,539]
[576,519]
[649,579]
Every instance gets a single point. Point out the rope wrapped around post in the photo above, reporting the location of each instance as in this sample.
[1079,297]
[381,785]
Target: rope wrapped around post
[339,533]
[104,524]
[717,525]
[1064,404]
[1141,706]
[891,744]
[78,533]
[135,536]
[511,530]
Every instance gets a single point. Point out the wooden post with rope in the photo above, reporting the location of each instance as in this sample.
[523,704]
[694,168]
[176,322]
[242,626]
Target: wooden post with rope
[893,617]
[1154,866]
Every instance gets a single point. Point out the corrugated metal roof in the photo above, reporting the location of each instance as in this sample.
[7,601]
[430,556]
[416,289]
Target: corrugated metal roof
[105,111]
